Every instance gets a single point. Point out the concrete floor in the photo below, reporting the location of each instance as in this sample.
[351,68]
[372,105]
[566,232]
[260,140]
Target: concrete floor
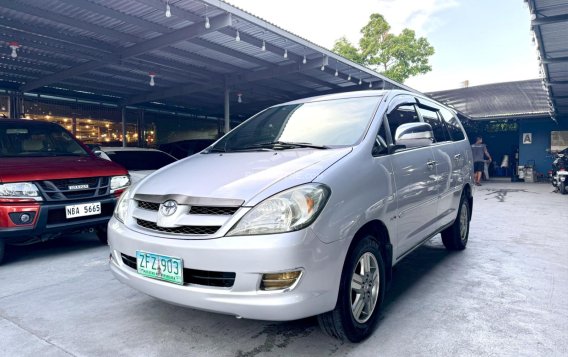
[505,295]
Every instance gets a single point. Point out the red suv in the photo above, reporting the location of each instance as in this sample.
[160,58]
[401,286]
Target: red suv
[50,184]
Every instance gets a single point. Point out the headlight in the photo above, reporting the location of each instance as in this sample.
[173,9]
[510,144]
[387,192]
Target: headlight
[287,211]
[25,190]
[119,182]
[121,209]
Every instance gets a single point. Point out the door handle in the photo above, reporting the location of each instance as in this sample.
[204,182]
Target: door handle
[457,157]
[431,164]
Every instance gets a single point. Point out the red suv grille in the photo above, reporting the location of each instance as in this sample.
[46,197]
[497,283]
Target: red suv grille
[74,189]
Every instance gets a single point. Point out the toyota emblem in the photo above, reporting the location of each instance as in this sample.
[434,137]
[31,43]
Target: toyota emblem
[168,208]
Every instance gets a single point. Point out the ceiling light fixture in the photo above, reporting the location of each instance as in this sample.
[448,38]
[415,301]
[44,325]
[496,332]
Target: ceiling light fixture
[207,23]
[152,76]
[285,53]
[323,63]
[168,9]
[240,97]
[349,77]
[370,84]
[305,60]
[263,48]
[14,46]
[238,37]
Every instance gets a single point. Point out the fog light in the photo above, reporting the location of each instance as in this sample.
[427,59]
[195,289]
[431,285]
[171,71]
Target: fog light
[19,218]
[279,281]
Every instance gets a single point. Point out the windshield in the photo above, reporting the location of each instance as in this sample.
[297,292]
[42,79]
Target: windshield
[19,140]
[331,123]
[135,160]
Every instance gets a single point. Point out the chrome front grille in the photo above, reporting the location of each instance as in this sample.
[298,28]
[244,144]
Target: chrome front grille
[150,206]
[228,211]
[188,230]
[207,210]
[68,189]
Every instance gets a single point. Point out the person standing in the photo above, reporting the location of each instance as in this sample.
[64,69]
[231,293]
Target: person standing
[479,151]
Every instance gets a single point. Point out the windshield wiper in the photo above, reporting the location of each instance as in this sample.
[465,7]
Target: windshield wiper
[281,145]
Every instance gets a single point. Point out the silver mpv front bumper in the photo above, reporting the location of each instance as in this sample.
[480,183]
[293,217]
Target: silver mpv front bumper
[248,257]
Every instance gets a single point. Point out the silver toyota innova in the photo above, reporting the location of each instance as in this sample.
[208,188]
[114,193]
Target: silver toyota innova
[301,210]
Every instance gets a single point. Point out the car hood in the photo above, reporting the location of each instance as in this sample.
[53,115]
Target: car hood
[246,176]
[138,175]
[18,169]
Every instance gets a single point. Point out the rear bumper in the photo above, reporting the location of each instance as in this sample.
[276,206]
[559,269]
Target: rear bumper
[50,220]
[248,257]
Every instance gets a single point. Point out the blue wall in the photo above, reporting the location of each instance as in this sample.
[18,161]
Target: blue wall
[536,151]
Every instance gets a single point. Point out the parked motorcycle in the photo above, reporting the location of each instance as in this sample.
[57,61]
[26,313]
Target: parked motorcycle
[560,171]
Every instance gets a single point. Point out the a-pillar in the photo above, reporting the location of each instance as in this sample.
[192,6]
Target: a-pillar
[16,105]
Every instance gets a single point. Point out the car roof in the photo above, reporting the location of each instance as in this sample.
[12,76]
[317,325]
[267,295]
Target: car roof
[344,95]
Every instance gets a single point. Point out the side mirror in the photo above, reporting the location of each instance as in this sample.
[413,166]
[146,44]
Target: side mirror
[413,135]
[98,153]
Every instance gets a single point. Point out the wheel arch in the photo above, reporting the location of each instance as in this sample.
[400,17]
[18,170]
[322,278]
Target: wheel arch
[379,231]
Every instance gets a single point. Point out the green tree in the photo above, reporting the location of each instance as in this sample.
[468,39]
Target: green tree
[396,56]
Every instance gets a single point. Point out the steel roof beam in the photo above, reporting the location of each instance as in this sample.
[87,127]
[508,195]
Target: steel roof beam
[182,34]
[278,51]
[115,14]
[554,60]
[230,52]
[176,11]
[69,21]
[549,20]
[245,76]
[53,44]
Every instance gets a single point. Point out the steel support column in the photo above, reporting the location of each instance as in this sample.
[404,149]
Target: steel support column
[227,110]
[16,105]
[141,129]
[123,112]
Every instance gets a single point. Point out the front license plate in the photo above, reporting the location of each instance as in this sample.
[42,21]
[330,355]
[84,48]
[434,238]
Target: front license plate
[160,267]
[85,209]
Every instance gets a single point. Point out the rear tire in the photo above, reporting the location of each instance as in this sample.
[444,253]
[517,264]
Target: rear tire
[456,236]
[562,187]
[361,292]
[102,235]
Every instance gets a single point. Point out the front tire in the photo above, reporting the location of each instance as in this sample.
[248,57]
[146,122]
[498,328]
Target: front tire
[361,292]
[456,236]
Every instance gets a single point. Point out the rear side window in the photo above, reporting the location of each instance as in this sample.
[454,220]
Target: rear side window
[431,117]
[453,125]
[403,114]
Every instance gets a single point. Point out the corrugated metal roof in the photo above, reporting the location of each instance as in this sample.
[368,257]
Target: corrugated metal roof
[110,46]
[550,26]
[498,101]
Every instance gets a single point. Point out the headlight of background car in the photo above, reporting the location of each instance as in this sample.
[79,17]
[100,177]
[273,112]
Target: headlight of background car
[20,190]
[118,183]
[286,211]
[121,209]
